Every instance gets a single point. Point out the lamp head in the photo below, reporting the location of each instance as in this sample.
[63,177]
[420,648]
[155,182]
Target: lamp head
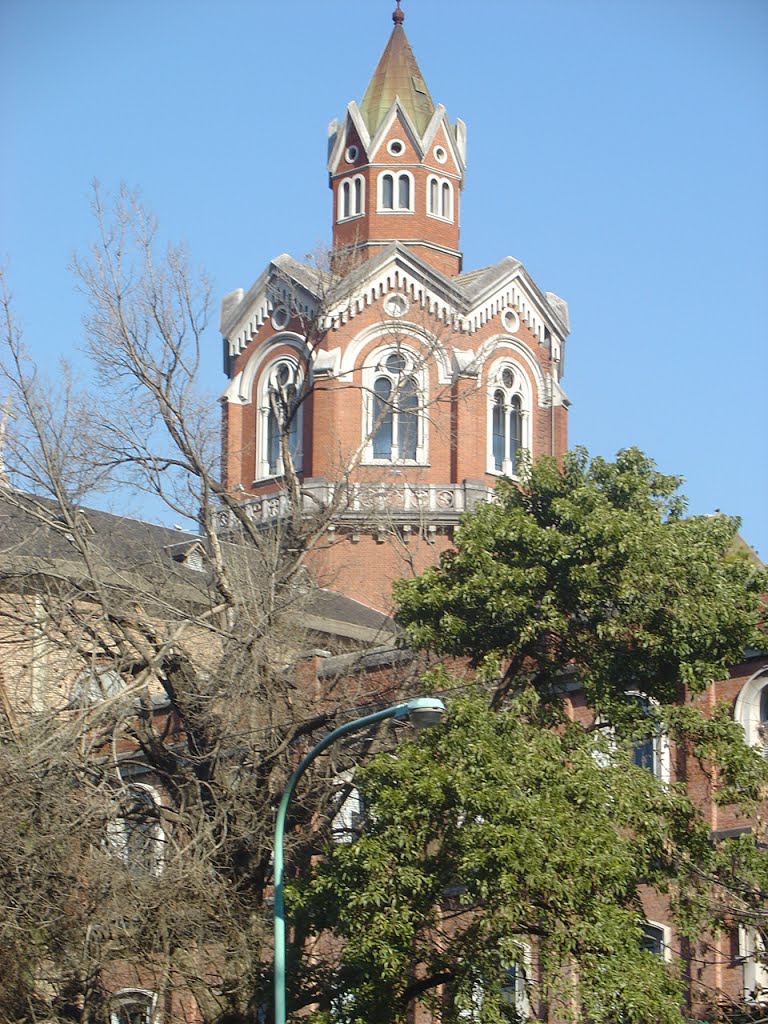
[425,711]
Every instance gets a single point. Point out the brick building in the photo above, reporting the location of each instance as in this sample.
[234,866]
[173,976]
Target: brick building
[408,385]
[413,383]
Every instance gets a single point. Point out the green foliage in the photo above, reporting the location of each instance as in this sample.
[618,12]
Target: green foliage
[592,568]
[512,832]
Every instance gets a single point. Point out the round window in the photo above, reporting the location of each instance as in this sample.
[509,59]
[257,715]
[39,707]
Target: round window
[510,320]
[396,305]
[440,154]
[351,154]
[507,377]
[280,318]
[283,374]
[395,363]
[396,147]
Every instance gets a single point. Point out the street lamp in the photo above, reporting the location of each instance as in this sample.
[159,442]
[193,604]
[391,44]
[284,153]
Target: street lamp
[422,712]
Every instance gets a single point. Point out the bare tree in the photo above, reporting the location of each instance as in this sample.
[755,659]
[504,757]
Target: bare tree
[152,710]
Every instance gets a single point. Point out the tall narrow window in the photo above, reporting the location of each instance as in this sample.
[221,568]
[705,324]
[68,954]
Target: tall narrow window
[351,196]
[648,749]
[383,416]
[396,406]
[404,192]
[281,412]
[446,205]
[396,192]
[135,835]
[440,198]
[506,421]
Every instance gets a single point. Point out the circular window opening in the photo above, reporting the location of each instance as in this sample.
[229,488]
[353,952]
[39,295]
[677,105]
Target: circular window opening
[351,154]
[510,320]
[283,374]
[440,154]
[396,147]
[280,318]
[396,305]
[507,377]
[395,363]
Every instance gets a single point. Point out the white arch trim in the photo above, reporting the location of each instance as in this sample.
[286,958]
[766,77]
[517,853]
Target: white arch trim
[389,333]
[746,710]
[241,388]
[500,345]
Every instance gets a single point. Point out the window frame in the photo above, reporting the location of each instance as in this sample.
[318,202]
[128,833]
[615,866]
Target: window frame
[123,996]
[397,176]
[519,390]
[266,468]
[376,370]
[119,832]
[350,812]
[442,187]
[751,710]
[755,976]
[664,934]
[350,196]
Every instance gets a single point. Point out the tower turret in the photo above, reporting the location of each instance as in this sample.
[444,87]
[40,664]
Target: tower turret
[396,164]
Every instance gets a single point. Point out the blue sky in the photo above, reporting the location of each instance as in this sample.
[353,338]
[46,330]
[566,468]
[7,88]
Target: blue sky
[617,147]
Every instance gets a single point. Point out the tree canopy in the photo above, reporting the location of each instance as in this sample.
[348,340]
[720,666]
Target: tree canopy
[505,857]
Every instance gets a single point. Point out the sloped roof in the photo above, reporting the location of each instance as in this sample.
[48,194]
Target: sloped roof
[397,75]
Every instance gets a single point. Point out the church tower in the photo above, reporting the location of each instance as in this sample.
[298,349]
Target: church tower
[396,165]
[389,386]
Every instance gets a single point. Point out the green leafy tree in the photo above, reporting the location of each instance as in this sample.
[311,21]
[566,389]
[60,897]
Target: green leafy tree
[501,870]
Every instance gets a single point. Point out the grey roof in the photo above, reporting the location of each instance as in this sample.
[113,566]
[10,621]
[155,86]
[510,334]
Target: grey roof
[35,527]
[34,540]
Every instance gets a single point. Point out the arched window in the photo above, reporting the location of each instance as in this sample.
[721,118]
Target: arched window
[656,939]
[752,954]
[133,1006]
[396,192]
[508,416]
[350,814]
[751,711]
[440,198]
[281,417]
[135,835]
[446,201]
[395,408]
[351,195]
[96,684]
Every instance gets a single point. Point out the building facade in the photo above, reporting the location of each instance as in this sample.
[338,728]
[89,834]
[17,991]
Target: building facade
[394,374]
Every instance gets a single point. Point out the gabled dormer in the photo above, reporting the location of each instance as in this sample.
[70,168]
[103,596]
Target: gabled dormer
[396,164]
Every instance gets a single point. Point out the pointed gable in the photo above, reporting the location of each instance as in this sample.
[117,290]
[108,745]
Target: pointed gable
[397,75]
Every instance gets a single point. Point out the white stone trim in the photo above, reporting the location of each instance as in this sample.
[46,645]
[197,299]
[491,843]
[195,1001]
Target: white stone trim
[755,973]
[666,939]
[264,352]
[262,470]
[500,344]
[417,367]
[746,710]
[124,995]
[523,390]
[392,333]
[395,174]
[440,182]
[348,181]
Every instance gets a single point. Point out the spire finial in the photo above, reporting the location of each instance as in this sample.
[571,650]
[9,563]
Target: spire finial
[397,15]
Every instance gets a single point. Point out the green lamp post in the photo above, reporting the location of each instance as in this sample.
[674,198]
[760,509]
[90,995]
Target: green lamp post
[421,712]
